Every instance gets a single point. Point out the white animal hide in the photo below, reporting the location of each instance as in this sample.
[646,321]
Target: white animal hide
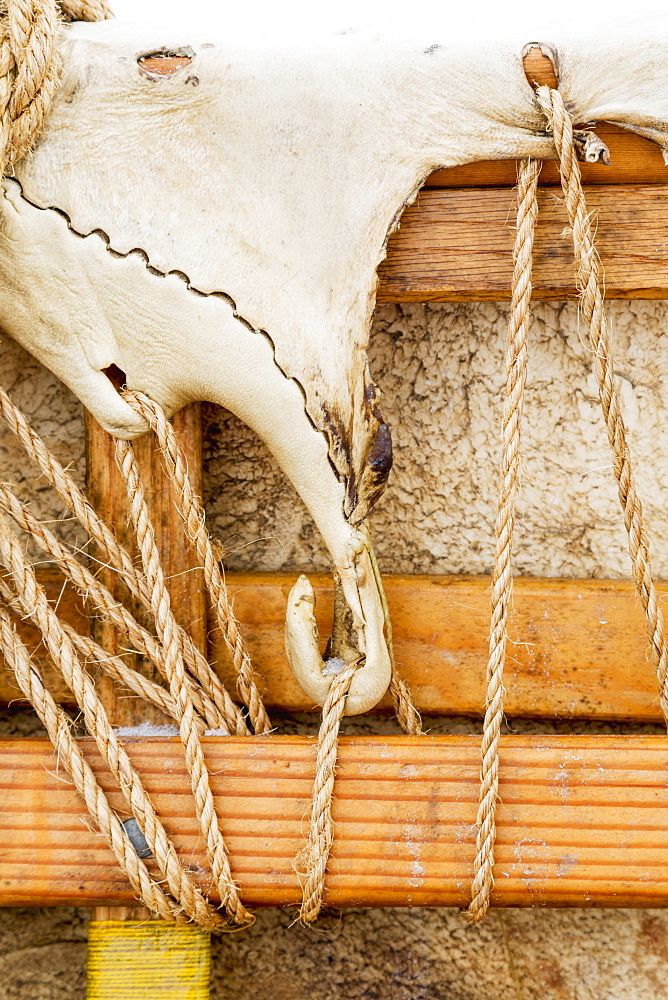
[216,233]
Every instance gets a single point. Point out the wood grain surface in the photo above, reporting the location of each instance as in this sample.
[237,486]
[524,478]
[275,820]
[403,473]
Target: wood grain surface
[456,245]
[577,649]
[581,820]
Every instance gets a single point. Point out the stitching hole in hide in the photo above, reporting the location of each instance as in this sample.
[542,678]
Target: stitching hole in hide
[116,376]
[164,62]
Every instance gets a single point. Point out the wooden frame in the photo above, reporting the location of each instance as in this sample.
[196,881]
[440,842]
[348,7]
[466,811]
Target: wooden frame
[581,820]
[578,647]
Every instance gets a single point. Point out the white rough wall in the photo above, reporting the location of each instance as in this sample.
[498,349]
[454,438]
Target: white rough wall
[440,369]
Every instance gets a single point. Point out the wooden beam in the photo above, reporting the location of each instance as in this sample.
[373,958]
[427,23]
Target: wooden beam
[578,647]
[634,160]
[456,245]
[581,820]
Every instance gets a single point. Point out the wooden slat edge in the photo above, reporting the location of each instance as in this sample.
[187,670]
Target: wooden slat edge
[456,245]
[581,820]
[578,647]
[634,160]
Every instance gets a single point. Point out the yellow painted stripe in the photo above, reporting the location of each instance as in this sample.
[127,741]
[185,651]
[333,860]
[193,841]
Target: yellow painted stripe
[154,960]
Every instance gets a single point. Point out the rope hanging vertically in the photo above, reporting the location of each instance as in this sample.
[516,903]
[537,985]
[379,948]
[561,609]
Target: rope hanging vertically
[590,284]
[502,581]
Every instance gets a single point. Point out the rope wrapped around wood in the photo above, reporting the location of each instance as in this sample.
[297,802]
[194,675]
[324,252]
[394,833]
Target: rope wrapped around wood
[195,698]
[590,283]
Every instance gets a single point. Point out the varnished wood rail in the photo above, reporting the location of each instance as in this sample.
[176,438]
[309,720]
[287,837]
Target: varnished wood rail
[581,820]
[578,648]
[633,160]
[456,245]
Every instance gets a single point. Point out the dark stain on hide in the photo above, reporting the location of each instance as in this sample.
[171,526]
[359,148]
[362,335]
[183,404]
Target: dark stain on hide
[338,437]
[366,484]
[375,473]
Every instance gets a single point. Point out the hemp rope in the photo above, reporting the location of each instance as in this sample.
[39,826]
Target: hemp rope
[312,861]
[114,666]
[110,609]
[590,281]
[192,515]
[30,66]
[59,727]
[178,685]
[591,297]
[321,837]
[115,554]
[502,581]
[35,606]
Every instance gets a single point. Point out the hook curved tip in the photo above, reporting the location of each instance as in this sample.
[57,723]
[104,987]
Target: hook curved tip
[310,670]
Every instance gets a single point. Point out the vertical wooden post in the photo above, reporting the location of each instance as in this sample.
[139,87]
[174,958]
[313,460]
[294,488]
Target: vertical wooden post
[129,954]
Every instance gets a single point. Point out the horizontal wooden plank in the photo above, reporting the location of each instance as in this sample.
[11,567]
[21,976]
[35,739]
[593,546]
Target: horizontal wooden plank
[581,821]
[578,647]
[457,245]
[633,160]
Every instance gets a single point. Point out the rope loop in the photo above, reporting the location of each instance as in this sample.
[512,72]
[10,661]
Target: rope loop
[30,66]
[590,281]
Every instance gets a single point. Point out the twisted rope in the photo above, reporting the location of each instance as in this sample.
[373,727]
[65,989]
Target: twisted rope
[312,861]
[180,690]
[34,605]
[116,555]
[114,666]
[590,282]
[30,66]
[192,514]
[59,729]
[502,581]
[110,609]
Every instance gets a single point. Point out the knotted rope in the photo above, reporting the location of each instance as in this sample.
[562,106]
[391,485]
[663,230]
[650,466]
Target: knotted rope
[590,284]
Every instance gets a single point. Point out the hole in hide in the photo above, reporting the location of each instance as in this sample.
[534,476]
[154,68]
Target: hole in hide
[164,62]
[116,376]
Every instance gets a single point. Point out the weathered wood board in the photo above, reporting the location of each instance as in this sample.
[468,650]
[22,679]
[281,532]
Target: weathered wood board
[581,821]
[578,648]
[456,245]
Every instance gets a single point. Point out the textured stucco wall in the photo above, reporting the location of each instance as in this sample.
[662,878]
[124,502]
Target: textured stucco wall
[440,369]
